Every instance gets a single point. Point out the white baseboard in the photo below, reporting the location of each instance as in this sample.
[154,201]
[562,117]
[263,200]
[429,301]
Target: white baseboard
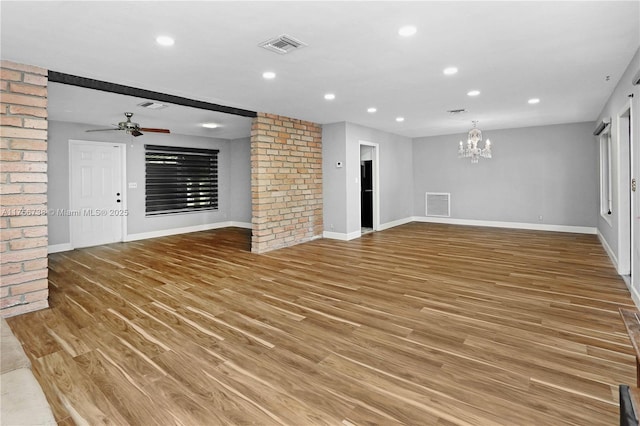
[354,235]
[185,230]
[357,234]
[635,296]
[246,225]
[607,248]
[395,223]
[342,236]
[57,248]
[513,225]
[334,235]
[468,222]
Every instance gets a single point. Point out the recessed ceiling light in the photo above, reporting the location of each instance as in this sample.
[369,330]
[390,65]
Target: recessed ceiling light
[371,110]
[329,96]
[450,71]
[534,101]
[407,30]
[473,93]
[210,125]
[399,119]
[165,41]
[268,75]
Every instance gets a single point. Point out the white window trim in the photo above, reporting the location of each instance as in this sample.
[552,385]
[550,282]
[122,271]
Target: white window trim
[606,176]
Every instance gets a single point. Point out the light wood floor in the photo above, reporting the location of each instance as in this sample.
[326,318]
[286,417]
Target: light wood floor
[422,324]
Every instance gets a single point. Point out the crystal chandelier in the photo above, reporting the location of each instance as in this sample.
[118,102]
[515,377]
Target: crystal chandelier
[472,150]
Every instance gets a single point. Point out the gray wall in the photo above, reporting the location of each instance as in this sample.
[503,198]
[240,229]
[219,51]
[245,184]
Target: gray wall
[334,179]
[240,178]
[396,179]
[548,171]
[341,142]
[234,166]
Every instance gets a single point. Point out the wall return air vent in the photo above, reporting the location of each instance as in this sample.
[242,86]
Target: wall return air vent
[438,204]
[282,44]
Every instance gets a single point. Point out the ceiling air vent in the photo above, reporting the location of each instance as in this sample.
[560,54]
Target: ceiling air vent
[282,44]
[152,105]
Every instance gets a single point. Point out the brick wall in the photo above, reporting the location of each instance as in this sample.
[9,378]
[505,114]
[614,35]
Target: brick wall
[23,189]
[286,182]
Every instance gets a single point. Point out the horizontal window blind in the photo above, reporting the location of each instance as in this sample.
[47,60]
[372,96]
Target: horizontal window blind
[180,179]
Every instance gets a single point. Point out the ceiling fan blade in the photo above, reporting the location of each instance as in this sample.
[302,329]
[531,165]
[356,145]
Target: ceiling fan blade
[150,129]
[101,130]
[136,132]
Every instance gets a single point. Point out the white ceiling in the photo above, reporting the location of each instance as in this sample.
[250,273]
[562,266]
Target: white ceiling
[105,110]
[560,52]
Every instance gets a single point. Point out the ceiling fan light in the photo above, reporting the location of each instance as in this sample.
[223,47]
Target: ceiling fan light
[132,128]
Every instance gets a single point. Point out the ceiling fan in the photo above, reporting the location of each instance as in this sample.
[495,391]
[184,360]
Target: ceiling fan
[132,128]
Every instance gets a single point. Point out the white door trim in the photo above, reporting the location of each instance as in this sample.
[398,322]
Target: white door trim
[123,160]
[634,155]
[625,163]
[376,181]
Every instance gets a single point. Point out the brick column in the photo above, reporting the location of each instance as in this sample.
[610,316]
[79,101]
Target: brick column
[286,182]
[23,189]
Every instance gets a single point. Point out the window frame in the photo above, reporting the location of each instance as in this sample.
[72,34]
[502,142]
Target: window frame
[606,175]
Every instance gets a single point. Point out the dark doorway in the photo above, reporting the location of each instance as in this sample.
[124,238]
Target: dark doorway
[366,194]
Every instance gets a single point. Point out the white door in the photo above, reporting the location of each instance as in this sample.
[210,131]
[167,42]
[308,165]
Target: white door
[96,197]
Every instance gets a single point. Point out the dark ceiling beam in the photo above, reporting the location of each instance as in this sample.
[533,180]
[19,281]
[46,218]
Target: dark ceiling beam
[105,86]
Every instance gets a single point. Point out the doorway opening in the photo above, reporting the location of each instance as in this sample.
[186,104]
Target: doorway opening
[369,188]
